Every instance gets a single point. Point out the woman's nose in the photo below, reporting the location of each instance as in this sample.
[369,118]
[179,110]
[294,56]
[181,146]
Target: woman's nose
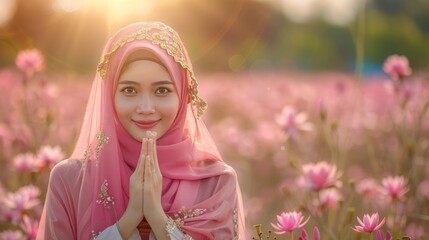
[145,105]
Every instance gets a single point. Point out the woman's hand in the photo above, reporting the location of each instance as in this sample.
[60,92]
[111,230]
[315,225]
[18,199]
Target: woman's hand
[153,179]
[134,213]
[152,206]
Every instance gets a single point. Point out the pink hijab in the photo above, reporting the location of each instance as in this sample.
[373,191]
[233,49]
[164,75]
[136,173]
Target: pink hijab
[199,190]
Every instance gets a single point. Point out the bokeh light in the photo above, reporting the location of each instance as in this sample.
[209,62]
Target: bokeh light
[7,9]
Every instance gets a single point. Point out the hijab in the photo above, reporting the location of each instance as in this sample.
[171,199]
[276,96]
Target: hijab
[200,192]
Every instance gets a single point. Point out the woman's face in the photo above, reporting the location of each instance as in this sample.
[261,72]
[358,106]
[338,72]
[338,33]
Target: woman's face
[146,99]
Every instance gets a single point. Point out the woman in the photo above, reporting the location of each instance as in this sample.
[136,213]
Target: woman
[144,166]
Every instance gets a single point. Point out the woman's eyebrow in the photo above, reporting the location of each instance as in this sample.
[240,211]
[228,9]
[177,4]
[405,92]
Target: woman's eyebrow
[130,82]
[163,82]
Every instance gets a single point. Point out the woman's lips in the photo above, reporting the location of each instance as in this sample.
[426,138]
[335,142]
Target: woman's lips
[146,124]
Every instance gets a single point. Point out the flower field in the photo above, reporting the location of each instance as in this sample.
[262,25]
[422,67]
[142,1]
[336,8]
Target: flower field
[319,155]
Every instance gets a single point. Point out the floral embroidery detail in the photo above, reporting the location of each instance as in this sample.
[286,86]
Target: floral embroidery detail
[102,140]
[171,225]
[165,37]
[235,218]
[104,198]
[94,235]
[185,213]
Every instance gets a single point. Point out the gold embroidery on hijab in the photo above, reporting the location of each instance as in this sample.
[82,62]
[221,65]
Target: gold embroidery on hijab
[162,35]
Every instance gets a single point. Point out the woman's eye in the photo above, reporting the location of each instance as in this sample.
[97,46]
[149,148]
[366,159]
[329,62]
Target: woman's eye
[162,90]
[128,90]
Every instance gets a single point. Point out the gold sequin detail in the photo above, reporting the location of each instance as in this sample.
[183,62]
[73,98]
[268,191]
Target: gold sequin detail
[102,140]
[171,225]
[185,213]
[165,37]
[103,197]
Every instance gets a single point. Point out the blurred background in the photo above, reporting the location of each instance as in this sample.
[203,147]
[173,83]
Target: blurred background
[223,34]
[280,80]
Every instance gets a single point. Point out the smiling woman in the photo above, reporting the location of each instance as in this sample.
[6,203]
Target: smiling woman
[145,165]
[145,96]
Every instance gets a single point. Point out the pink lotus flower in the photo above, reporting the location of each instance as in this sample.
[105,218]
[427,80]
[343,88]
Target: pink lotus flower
[30,61]
[25,162]
[369,223]
[49,156]
[320,175]
[397,67]
[12,235]
[395,187]
[292,122]
[287,222]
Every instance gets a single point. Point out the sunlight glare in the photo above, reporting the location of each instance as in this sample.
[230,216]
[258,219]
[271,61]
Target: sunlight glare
[68,5]
[7,9]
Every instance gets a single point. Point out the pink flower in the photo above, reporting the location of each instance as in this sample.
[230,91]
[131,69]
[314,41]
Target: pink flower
[316,233]
[369,223]
[415,231]
[368,187]
[49,156]
[395,187]
[303,235]
[320,175]
[16,205]
[25,162]
[30,61]
[397,67]
[12,235]
[423,189]
[379,235]
[287,222]
[330,198]
[292,122]
[30,226]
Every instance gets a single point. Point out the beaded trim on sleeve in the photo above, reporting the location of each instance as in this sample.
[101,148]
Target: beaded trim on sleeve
[171,225]
[164,36]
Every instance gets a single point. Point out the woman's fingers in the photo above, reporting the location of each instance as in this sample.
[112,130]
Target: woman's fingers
[143,153]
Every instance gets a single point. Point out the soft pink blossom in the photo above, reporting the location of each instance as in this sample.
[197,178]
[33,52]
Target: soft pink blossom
[12,235]
[25,162]
[30,227]
[395,187]
[329,198]
[369,224]
[292,122]
[320,175]
[368,187]
[423,189]
[415,231]
[30,61]
[303,235]
[49,156]
[316,233]
[287,222]
[16,205]
[397,66]
[379,235]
